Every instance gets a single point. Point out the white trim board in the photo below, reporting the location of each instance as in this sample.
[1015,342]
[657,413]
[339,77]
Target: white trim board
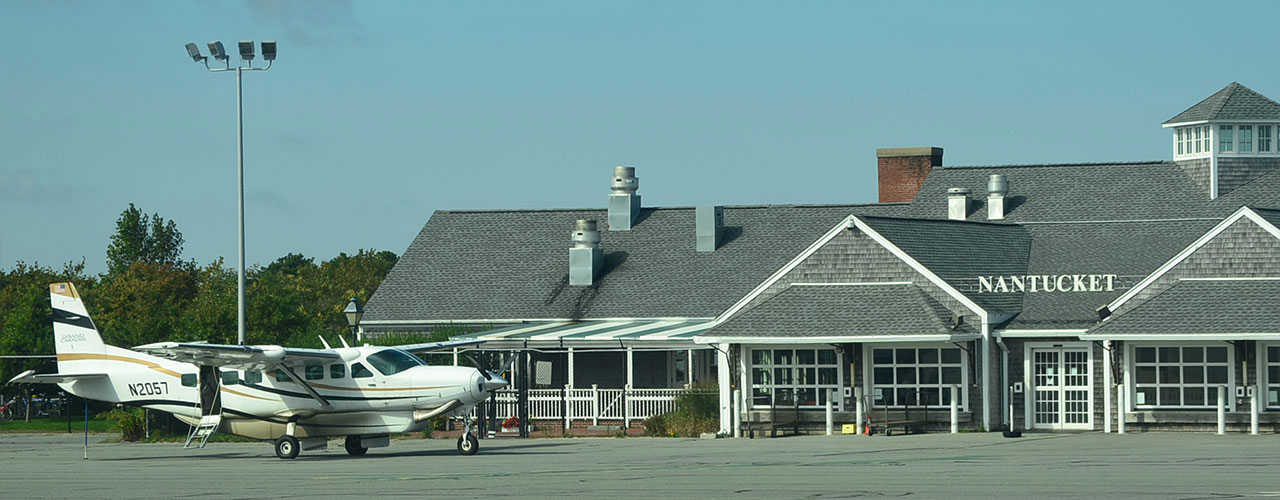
[1242,212]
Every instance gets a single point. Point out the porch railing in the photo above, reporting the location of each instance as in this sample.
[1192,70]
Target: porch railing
[571,404]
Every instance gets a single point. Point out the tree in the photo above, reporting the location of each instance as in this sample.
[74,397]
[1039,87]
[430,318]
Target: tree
[143,238]
[26,318]
[143,304]
[211,317]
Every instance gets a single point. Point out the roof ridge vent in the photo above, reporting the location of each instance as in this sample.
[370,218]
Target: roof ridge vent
[997,188]
[958,203]
[585,256]
[624,203]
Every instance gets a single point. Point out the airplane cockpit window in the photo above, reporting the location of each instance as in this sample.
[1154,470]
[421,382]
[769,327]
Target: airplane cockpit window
[393,361]
[338,370]
[281,376]
[359,371]
[314,372]
[230,377]
[253,377]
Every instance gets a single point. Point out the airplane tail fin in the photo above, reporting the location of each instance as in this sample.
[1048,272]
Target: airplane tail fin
[75,338]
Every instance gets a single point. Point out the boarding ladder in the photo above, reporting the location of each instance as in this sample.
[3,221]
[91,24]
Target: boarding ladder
[200,433]
[209,403]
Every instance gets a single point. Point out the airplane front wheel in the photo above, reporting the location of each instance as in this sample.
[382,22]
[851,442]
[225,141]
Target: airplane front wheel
[468,444]
[287,447]
[354,448]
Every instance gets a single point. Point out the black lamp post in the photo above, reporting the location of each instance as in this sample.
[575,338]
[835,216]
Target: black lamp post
[354,312]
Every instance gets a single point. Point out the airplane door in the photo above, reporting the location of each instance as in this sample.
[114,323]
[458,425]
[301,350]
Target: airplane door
[370,383]
[210,393]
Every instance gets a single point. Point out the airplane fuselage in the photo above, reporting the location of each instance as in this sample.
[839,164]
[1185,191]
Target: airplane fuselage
[362,399]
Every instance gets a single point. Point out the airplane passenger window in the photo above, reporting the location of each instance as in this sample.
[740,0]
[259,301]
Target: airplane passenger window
[281,376]
[253,377]
[188,380]
[393,361]
[337,371]
[314,372]
[230,377]
[359,371]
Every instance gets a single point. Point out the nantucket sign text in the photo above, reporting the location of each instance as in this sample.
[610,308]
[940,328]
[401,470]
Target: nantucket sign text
[1047,283]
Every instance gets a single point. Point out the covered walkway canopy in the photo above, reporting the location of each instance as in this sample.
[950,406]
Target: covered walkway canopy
[652,333]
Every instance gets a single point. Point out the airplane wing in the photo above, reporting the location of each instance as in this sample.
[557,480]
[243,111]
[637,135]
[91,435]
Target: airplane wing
[31,377]
[435,346]
[242,357]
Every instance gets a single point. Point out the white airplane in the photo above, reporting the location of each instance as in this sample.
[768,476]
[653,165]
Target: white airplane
[298,398]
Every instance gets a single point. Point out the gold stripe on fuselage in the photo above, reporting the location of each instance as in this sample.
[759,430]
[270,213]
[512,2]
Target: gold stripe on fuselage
[109,357]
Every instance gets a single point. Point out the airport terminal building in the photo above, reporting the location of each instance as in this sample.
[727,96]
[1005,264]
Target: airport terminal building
[1056,295]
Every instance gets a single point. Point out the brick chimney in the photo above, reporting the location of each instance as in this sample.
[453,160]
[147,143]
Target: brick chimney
[903,171]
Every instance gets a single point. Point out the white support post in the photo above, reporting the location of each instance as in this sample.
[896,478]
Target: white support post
[955,409]
[571,372]
[737,415]
[831,394]
[1106,387]
[1222,410]
[1122,396]
[688,371]
[455,356]
[595,404]
[857,408]
[630,367]
[1253,410]
[728,416]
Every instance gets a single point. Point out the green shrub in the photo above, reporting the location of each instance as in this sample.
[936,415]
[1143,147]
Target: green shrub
[696,411]
[129,421]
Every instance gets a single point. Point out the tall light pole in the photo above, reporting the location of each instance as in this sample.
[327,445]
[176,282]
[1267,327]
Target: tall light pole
[219,53]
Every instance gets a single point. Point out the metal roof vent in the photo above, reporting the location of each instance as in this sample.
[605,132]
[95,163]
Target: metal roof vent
[997,188]
[709,222]
[585,256]
[958,203]
[624,203]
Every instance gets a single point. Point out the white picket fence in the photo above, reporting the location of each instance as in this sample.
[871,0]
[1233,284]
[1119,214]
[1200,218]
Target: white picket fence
[595,404]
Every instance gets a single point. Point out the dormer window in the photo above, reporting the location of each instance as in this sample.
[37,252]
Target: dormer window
[1264,138]
[1226,138]
[1190,141]
[1246,139]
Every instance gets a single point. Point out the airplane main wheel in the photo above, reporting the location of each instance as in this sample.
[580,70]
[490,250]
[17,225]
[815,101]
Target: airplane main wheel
[287,447]
[468,444]
[354,448]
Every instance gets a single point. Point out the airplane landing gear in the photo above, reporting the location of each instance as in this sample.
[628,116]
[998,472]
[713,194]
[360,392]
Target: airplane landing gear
[354,448]
[467,443]
[287,447]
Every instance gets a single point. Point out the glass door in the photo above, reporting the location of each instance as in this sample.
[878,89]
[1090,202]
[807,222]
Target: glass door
[1060,388]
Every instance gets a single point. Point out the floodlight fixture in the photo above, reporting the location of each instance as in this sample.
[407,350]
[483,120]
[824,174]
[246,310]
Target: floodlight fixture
[246,50]
[217,51]
[268,50]
[193,50]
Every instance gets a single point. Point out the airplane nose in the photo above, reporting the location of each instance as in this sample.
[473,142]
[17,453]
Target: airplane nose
[494,383]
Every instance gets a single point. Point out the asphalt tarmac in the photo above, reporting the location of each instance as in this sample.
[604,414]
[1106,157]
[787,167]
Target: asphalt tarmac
[971,465]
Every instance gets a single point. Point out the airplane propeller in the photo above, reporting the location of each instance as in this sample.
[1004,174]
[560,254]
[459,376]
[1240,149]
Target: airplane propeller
[488,376]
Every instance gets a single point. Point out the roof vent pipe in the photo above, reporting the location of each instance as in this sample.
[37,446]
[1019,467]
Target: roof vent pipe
[958,203]
[624,203]
[585,256]
[709,227]
[997,188]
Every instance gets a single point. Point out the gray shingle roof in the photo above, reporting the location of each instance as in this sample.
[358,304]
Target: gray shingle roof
[472,265]
[959,251]
[1130,250]
[829,311]
[1233,102]
[1272,216]
[1069,192]
[1202,307]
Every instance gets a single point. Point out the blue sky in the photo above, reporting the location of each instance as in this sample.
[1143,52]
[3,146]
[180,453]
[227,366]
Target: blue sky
[378,113]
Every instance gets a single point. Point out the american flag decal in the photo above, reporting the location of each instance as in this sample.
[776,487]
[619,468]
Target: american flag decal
[61,287]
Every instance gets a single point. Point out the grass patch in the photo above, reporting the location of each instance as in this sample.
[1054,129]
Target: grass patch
[96,424]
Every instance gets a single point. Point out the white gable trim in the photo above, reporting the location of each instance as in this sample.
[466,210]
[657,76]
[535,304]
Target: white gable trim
[851,222]
[1243,212]
[924,271]
[777,275]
